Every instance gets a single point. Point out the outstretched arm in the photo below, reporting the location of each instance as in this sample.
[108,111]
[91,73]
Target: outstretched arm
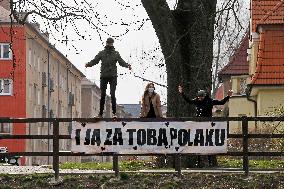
[222,102]
[95,61]
[186,98]
[122,62]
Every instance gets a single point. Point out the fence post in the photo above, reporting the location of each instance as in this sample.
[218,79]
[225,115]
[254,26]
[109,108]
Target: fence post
[245,145]
[56,148]
[115,167]
[178,164]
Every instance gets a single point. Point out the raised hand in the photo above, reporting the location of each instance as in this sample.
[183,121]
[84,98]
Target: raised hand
[180,89]
[230,92]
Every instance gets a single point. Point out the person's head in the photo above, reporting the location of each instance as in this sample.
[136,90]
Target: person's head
[150,88]
[109,41]
[201,94]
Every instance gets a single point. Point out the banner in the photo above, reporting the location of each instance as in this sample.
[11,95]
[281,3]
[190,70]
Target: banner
[150,137]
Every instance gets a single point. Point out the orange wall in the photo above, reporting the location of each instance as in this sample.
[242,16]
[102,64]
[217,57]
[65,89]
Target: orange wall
[14,106]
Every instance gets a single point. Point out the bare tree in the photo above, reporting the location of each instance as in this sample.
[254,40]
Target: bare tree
[231,24]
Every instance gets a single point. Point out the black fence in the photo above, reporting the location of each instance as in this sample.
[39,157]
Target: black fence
[55,136]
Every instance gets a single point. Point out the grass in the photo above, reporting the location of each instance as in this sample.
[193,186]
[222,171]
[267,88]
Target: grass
[146,165]
[256,164]
[123,165]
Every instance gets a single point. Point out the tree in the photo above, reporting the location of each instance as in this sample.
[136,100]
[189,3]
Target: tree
[186,38]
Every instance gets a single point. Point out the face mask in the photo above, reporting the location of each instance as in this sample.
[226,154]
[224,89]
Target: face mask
[150,90]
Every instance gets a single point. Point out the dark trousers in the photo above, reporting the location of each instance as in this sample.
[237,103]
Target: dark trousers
[112,82]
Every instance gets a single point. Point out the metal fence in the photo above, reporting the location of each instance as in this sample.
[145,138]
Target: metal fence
[245,136]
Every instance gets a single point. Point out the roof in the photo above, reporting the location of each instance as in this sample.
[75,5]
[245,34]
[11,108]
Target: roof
[267,12]
[133,109]
[238,64]
[270,59]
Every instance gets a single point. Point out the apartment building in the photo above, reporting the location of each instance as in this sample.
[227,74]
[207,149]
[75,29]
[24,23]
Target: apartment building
[36,81]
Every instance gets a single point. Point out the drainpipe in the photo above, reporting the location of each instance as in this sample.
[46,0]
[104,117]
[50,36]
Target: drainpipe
[48,102]
[248,91]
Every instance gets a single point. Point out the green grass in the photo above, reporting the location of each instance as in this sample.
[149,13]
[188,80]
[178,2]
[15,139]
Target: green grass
[146,165]
[257,164]
[123,165]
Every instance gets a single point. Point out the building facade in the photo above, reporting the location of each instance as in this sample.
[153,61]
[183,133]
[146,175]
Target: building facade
[36,81]
[257,73]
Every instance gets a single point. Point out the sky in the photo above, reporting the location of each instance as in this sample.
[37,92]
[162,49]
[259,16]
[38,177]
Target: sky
[130,46]
[138,47]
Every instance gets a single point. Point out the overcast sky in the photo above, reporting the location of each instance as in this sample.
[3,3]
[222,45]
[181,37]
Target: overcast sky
[138,47]
[131,47]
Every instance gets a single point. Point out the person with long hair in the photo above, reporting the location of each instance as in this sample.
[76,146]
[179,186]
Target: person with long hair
[151,103]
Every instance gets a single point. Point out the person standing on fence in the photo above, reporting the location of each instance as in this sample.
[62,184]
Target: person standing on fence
[204,105]
[108,57]
[151,104]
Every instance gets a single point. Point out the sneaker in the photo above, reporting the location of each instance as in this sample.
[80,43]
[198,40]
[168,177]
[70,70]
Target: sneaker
[99,116]
[114,116]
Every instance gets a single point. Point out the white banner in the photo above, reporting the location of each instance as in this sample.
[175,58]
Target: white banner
[150,137]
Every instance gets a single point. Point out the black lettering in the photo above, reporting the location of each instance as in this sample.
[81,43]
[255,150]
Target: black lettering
[108,142]
[162,138]
[151,137]
[220,142]
[173,134]
[183,137]
[96,137]
[209,135]
[141,137]
[88,136]
[117,138]
[131,131]
[199,137]
[77,137]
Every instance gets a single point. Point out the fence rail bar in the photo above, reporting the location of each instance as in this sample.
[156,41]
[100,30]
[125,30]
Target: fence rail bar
[245,145]
[56,149]
[115,166]
[152,154]
[94,120]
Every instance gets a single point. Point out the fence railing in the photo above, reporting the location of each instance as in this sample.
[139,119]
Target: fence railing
[55,136]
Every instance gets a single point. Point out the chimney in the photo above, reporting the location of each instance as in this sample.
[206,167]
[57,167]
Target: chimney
[5,4]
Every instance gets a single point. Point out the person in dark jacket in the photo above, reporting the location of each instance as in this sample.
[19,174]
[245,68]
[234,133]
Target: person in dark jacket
[204,105]
[108,57]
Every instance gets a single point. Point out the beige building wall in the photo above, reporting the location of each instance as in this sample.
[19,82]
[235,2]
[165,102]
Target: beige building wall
[239,106]
[268,100]
[91,95]
[49,97]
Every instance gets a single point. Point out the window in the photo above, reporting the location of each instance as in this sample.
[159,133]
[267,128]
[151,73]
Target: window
[38,96]
[243,86]
[38,63]
[5,128]
[6,86]
[5,51]
[30,57]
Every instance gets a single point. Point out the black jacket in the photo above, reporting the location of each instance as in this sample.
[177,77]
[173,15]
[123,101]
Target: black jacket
[204,107]
[109,57]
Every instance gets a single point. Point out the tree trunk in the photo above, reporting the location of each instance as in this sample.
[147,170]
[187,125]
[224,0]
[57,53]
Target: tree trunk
[186,38]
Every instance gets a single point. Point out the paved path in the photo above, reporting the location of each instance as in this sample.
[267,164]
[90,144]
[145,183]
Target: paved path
[47,169]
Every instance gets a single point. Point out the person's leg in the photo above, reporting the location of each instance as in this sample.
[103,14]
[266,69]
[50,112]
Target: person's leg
[103,86]
[113,83]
